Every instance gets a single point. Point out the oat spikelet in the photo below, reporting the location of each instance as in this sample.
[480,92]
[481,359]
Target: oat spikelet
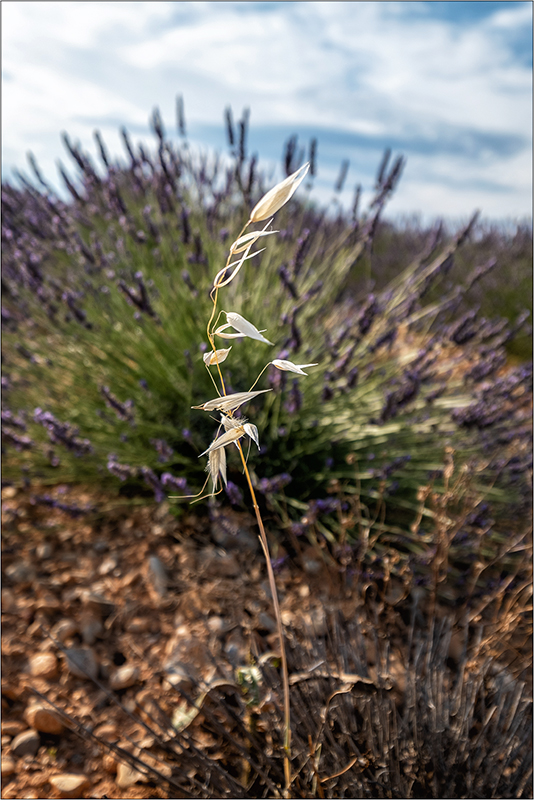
[278,195]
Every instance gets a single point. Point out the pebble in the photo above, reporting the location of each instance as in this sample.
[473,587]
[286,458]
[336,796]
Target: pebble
[82,662]
[216,624]
[311,564]
[43,665]
[317,621]
[20,572]
[217,562]
[12,727]
[91,629]
[157,575]
[97,602]
[43,719]
[187,658]
[127,775]
[44,550]
[138,625]
[69,784]
[64,629]
[108,565]
[123,677]
[266,622]
[8,766]
[9,602]
[107,731]
[8,492]
[25,744]
[47,603]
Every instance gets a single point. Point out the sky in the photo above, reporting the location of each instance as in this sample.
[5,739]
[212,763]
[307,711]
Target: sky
[448,85]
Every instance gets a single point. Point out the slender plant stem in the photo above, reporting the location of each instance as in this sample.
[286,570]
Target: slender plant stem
[278,616]
[265,547]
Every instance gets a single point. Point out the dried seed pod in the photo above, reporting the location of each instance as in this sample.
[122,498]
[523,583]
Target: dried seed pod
[288,366]
[278,195]
[216,357]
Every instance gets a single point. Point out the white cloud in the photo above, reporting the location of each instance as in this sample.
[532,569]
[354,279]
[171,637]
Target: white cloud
[387,70]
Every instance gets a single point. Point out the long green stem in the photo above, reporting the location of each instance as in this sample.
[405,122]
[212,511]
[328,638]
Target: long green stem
[278,616]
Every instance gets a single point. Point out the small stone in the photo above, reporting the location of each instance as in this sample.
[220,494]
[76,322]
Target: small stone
[138,625]
[12,727]
[317,621]
[20,572]
[25,744]
[97,602]
[109,764]
[107,731]
[47,603]
[8,766]
[44,550]
[69,784]
[266,622]
[64,629]
[43,665]
[311,565]
[8,492]
[82,662]
[108,565]
[216,624]
[9,602]
[91,629]
[123,677]
[43,719]
[126,776]
[187,658]
[157,576]
[235,648]
[218,563]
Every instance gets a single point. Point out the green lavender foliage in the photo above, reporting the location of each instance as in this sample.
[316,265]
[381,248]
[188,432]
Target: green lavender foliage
[111,290]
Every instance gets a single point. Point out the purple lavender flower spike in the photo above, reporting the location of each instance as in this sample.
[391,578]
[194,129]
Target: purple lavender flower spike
[173,483]
[300,254]
[121,471]
[152,480]
[62,433]
[123,410]
[165,451]
[294,402]
[368,314]
[8,418]
[18,442]
[234,493]
[287,282]
[269,486]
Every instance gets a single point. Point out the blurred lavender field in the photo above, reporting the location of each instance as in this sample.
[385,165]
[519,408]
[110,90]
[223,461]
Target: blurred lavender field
[421,404]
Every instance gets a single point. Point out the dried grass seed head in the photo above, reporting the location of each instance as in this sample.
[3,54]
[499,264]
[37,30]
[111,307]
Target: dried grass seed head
[242,325]
[215,357]
[249,239]
[288,366]
[278,195]
[230,423]
[230,402]
[217,466]
[227,438]
[218,282]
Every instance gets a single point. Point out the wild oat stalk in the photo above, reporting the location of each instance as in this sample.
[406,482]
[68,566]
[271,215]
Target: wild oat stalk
[235,427]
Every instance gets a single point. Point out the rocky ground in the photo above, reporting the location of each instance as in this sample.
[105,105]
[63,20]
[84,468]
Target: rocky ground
[129,597]
[128,601]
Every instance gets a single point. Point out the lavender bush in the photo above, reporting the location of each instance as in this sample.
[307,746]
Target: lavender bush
[103,355]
